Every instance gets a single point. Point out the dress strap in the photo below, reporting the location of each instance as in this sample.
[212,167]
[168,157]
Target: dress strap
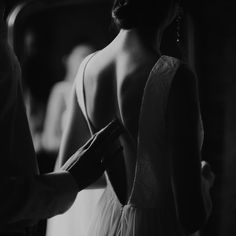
[81,91]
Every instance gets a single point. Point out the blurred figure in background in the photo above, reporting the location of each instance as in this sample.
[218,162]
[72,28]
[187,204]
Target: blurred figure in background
[34,108]
[55,113]
[47,139]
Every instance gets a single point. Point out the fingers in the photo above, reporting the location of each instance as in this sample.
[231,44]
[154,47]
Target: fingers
[99,146]
[89,142]
[72,160]
[107,135]
[203,163]
[206,169]
[104,136]
[112,128]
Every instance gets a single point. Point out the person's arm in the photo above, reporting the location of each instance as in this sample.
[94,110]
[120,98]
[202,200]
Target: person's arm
[183,117]
[32,197]
[76,131]
[25,195]
[37,197]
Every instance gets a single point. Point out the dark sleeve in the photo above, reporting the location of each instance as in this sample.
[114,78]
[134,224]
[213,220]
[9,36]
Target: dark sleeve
[34,198]
[183,132]
[25,195]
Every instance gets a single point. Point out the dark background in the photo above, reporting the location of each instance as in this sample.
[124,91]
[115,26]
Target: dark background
[208,34]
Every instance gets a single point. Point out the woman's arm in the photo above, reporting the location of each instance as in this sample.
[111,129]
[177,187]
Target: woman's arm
[76,131]
[75,134]
[183,122]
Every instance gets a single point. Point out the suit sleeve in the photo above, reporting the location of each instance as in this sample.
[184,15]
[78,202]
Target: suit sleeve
[33,198]
[25,195]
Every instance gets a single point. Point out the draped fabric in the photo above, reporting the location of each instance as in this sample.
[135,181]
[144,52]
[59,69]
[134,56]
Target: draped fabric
[151,208]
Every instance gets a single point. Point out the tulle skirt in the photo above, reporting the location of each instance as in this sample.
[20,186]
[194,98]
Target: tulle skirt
[113,219]
[99,213]
[76,221]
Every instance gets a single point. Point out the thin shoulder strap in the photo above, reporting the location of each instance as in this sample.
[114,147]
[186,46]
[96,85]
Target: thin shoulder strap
[81,91]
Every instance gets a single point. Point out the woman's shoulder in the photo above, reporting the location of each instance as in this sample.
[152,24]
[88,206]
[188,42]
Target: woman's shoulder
[79,78]
[89,66]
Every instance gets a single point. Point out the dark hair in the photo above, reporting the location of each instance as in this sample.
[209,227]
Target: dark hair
[129,14]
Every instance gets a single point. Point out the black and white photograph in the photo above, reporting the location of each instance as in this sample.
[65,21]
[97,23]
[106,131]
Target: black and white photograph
[117,118]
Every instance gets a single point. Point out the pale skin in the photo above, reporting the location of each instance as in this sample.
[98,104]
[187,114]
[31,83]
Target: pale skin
[57,103]
[114,81]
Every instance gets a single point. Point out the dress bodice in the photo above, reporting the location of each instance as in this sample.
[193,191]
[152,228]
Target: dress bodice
[151,207]
[152,183]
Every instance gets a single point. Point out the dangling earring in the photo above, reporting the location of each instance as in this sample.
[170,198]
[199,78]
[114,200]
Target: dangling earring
[178,30]
[178,23]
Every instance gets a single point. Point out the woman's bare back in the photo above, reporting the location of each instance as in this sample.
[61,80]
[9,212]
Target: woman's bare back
[114,82]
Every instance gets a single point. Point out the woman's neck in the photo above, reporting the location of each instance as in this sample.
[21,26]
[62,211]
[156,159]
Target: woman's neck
[148,38]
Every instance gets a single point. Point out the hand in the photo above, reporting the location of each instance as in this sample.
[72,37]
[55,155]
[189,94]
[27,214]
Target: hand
[89,162]
[208,179]
[207,173]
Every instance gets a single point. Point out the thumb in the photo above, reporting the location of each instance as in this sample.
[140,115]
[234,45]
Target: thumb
[206,169]
[207,173]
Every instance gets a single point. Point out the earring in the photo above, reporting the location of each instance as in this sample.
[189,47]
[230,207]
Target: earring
[178,25]
[178,20]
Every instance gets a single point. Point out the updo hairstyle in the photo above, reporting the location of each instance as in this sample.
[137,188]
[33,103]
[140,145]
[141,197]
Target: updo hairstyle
[129,14]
